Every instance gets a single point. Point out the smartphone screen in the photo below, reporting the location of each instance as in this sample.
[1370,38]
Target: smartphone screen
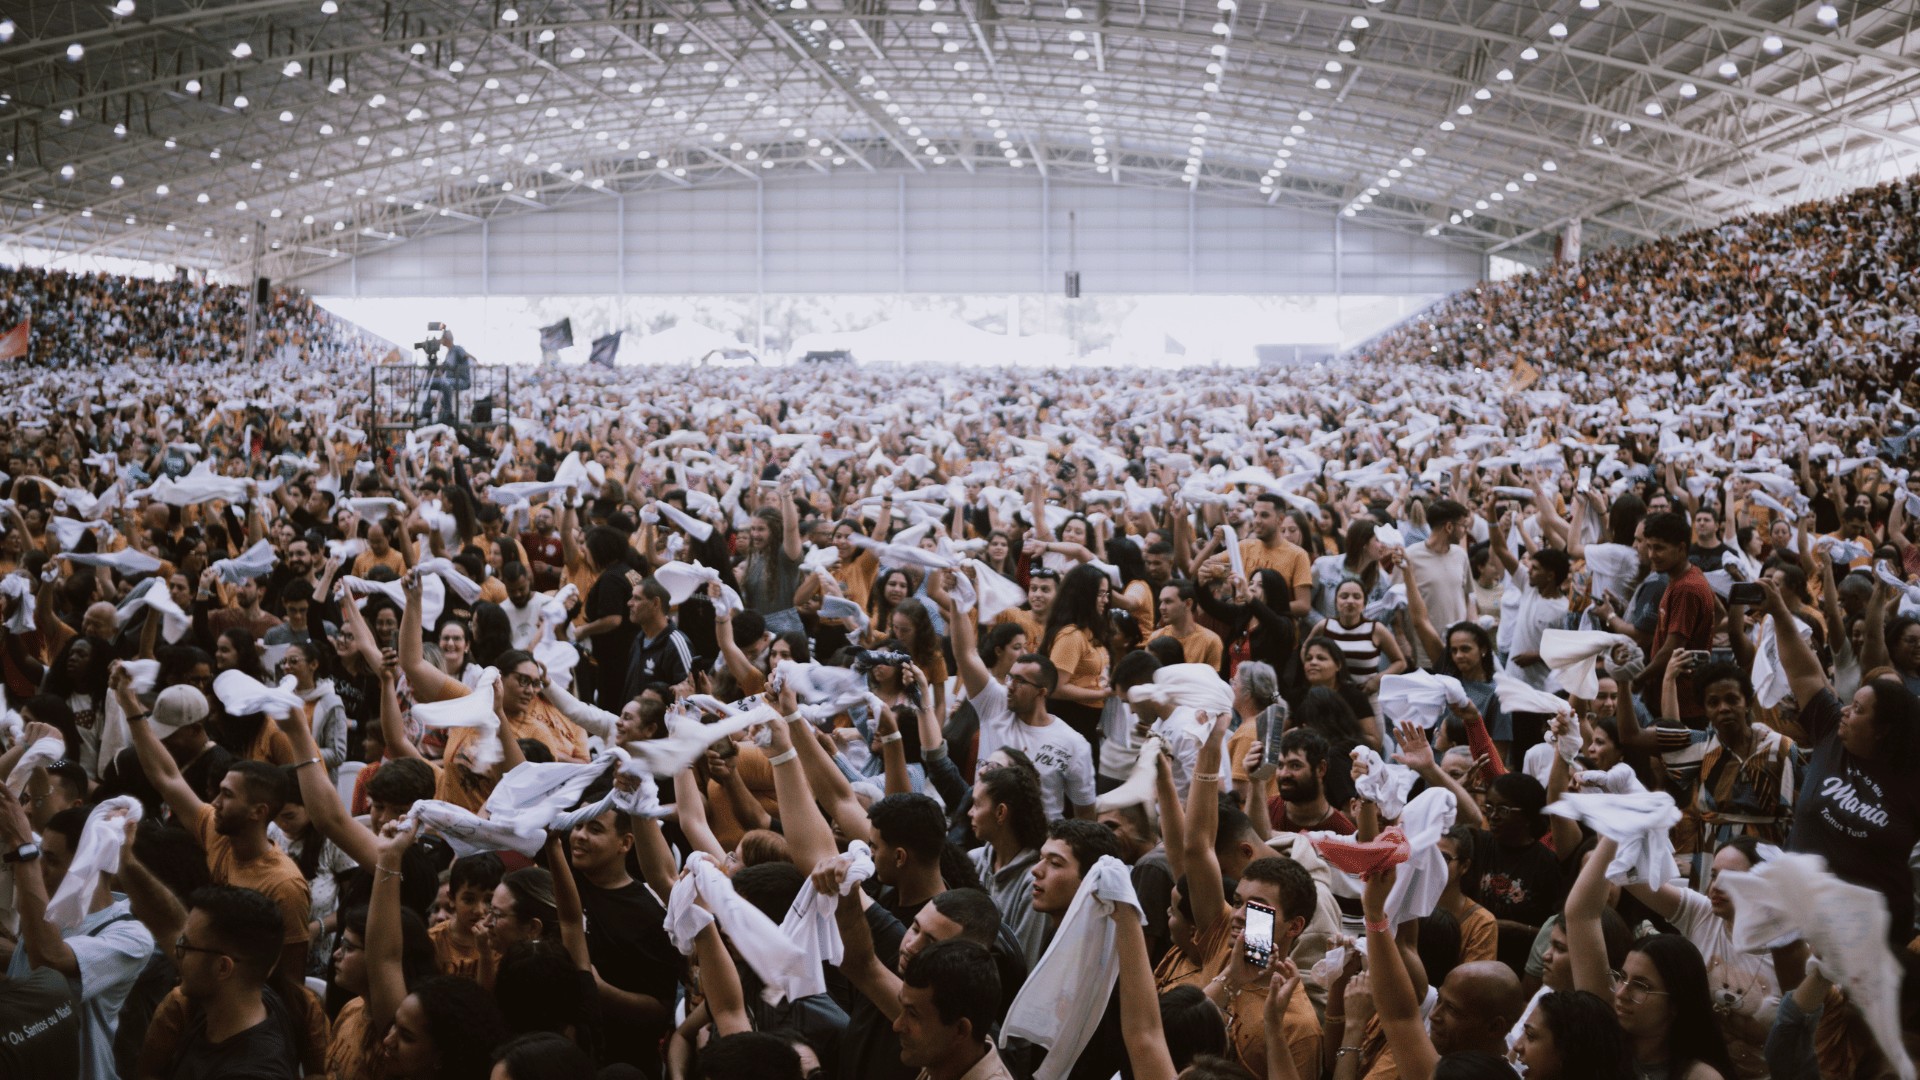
[1258,936]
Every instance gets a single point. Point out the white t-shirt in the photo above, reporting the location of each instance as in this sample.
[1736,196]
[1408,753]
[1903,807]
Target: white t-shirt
[525,621]
[1062,755]
[1443,585]
[1535,616]
[1741,979]
[1182,738]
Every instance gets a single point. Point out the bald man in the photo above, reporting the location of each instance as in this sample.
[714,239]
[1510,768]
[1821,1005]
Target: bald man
[1479,1003]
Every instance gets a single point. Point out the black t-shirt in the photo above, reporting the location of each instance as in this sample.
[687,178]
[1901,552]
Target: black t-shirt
[1862,816]
[871,1049]
[1521,884]
[203,774]
[39,1026]
[266,1051]
[609,596]
[1709,559]
[628,944]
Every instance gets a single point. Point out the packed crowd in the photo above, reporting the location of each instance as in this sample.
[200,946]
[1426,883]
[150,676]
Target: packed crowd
[75,319]
[1399,720]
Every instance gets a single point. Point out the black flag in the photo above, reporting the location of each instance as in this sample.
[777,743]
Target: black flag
[604,349]
[556,337]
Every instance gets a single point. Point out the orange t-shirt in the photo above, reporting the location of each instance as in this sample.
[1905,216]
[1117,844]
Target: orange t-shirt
[272,874]
[453,958]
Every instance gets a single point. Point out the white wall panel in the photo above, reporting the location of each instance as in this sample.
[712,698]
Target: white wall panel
[942,233]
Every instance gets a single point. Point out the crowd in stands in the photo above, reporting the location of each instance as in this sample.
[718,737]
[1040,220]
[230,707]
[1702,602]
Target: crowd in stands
[1429,715]
[74,319]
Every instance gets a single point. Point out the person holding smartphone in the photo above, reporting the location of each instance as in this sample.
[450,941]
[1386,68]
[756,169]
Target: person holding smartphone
[1243,936]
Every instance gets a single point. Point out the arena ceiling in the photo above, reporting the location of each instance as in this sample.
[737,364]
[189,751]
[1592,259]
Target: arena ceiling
[202,133]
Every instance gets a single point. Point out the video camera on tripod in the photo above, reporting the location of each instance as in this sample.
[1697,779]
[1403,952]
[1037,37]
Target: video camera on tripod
[431,346]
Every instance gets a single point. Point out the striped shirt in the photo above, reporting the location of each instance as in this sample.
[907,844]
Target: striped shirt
[1356,644]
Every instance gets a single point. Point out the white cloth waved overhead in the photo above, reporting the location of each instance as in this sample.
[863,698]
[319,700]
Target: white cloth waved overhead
[682,580]
[780,963]
[1423,877]
[904,554]
[820,560]
[18,588]
[1793,897]
[1197,686]
[1138,789]
[1518,697]
[463,586]
[241,694]
[99,853]
[1639,824]
[529,798]
[256,561]
[1386,784]
[580,476]
[1064,997]
[200,485]
[41,754]
[996,593]
[1770,683]
[375,508]
[1910,593]
[1231,540]
[433,594]
[687,739]
[67,531]
[467,833]
[1420,697]
[1620,780]
[839,607]
[114,733]
[1387,603]
[810,923]
[474,710]
[1573,656]
[509,495]
[685,522]
[129,562]
[152,593]
[642,802]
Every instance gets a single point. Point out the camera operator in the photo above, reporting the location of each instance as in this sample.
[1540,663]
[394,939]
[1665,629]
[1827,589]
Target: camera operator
[454,376]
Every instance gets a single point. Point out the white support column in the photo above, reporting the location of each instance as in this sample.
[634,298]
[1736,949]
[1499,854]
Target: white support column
[620,242]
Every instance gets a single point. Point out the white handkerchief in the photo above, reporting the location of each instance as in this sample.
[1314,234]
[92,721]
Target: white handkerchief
[996,593]
[99,853]
[256,561]
[1573,657]
[682,580]
[1793,897]
[152,593]
[1064,997]
[475,710]
[1386,785]
[129,562]
[241,694]
[1420,696]
[464,587]
[810,922]
[1639,824]
[1197,686]
[1517,697]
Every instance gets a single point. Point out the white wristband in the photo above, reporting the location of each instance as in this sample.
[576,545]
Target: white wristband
[783,758]
[885,739]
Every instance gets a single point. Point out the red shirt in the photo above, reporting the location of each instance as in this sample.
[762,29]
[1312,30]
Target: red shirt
[1336,822]
[1686,619]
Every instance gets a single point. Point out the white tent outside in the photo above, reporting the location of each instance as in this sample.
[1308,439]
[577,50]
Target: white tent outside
[683,343]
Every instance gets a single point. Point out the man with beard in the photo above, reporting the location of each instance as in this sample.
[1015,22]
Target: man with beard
[233,830]
[1302,803]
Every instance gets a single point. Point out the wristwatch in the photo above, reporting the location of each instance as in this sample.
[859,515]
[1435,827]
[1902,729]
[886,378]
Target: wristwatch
[23,853]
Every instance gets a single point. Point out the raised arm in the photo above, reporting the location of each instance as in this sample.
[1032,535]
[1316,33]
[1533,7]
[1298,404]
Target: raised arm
[44,944]
[1140,1025]
[790,525]
[393,730]
[805,827]
[1804,674]
[690,810]
[858,961]
[155,905]
[1416,753]
[1207,899]
[428,682]
[963,634]
[1873,646]
[1586,945]
[154,759]
[1418,617]
[720,982]
[1393,994]
[323,803]
[386,980]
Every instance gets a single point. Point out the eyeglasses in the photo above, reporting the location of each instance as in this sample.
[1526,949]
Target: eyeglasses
[1024,681]
[1632,991]
[1495,810]
[531,682]
[181,949]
